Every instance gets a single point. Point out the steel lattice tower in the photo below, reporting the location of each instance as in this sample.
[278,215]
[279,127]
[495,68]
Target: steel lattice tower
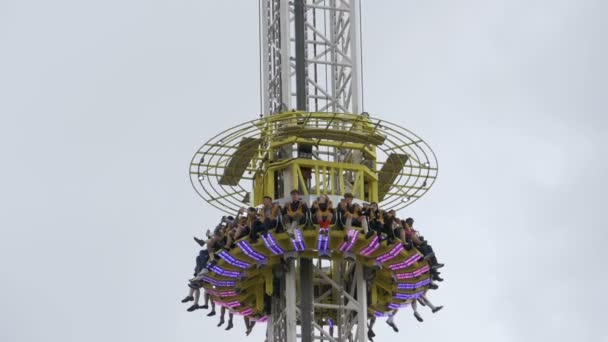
[310,62]
[313,136]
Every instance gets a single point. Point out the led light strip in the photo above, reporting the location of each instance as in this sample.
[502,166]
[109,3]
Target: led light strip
[371,247]
[246,248]
[271,244]
[233,261]
[323,244]
[219,282]
[405,296]
[348,245]
[221,293]
[405,264]
[231,305]
[395,306]
[415,274]
[225,273]
[390,255]
[246,312]
[419,284]
[298,244]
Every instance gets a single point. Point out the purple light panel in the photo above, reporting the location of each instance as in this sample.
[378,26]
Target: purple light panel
[219,282]
[390,255]
[414,286]
[263,319]
[415,274]
[233,261]
[246,248]
[379,314]
[272,245]
[221,293]
[298,244]
[394,306]
[231,305]
[225,273]
[406,296]
[405,264]
[371,247]
[323,244]
[246,312]
[348,245]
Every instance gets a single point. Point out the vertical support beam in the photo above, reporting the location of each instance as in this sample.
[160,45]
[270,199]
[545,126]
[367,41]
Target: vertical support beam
[306,298]
[317,180]
[270,333]
[306,286]
[355,84]
[300,35]
[333,59]
[265,56]
[285,55]
[290,303]
[362,299]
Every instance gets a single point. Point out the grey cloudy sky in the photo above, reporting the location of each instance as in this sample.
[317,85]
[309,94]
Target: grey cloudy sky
[103,103]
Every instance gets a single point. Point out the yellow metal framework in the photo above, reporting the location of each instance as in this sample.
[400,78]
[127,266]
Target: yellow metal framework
[375,160]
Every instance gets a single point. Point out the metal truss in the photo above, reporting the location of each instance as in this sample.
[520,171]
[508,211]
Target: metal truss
[343,302]
[333,77]
[212,160]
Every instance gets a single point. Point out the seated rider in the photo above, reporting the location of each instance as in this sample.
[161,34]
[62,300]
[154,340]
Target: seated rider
[294,212]
[255,224]
[424,248]
[215,244]
[351,212]
[270,214]
[380,222]
[238,230]
[323,209]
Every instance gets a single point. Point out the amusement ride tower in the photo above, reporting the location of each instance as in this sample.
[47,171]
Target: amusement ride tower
[313,136]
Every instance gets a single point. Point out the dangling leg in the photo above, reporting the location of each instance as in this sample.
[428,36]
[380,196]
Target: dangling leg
[212,313]
[189,297]
[222,314]
[207,297]
[197,295]
[370,228]
[248,325]
[433,308]
[414,305]
[195,306]
[348,227]
[364,224]
[251,325]
[370,332]
[391,321]
[230,317]
[390,233]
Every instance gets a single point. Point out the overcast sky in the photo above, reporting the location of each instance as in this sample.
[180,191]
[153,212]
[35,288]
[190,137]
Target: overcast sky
[103,103]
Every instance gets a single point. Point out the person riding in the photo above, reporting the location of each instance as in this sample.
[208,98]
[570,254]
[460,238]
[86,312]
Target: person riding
[230,318]
[238,230]
[380,222]
[270,214]
[215,244]
[427,250]
[424,302]
[255,224]
[352,213]
[322,208]
[294,211]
